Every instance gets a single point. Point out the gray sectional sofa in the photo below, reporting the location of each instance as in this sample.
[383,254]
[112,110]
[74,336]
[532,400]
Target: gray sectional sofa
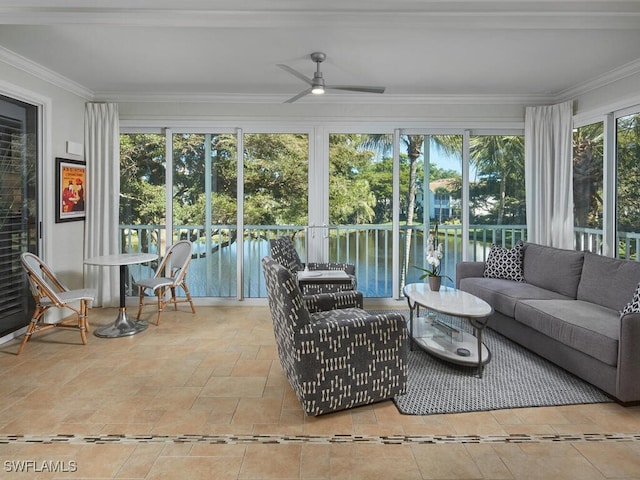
[568,310]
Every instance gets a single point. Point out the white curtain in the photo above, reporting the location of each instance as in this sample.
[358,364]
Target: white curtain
[102,153]
[548,174]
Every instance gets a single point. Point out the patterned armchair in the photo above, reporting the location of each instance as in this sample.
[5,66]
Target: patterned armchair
[335,359]
[284,252]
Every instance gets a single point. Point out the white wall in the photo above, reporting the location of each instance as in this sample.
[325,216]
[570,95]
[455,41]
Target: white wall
[62,246]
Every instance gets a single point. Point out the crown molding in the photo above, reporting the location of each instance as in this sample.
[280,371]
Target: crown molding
[617,74]
[43,73]
[339,99]
[300,122]
[479,15]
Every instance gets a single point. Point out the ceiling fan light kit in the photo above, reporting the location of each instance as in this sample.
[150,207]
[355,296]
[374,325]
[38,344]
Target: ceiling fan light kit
[317,85]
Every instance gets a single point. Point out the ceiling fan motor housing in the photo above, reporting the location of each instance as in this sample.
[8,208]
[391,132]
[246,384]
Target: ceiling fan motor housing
[318,80]
[318,57]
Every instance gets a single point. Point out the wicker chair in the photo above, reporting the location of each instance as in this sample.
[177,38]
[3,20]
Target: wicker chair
[170,275]
[284,252]
[49,292]
[339,358]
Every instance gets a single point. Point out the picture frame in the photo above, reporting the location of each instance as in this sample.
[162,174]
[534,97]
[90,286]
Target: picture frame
[71,182]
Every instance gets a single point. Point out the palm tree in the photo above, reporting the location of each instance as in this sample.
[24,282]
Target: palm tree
[499,156]
[414,145]
[588,175]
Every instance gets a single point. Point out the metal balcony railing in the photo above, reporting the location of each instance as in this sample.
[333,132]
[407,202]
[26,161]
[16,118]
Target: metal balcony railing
[213,271]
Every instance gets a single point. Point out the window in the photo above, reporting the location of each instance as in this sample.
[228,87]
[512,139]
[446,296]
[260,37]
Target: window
[342,183]
[588,142]
[142,197]
[497,200]
[430,196]
[276,186]
[628,186]
[204,208]
[360,207]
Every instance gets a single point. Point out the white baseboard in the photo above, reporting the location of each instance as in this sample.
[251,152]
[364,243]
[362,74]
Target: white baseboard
[12,335]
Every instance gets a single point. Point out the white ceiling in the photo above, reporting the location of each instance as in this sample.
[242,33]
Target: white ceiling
[140,49]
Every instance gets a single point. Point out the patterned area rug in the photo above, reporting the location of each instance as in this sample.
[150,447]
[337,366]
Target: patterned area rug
[513,378]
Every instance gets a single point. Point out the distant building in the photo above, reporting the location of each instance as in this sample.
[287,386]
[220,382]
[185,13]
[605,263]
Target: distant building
[443,203]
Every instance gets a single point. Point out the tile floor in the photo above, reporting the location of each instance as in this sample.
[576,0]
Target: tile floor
[203,397]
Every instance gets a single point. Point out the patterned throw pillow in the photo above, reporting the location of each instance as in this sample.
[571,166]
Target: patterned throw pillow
[505,263]
[634,305]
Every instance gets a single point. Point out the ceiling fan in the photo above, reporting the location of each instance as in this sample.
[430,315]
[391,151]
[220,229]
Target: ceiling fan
[317,85]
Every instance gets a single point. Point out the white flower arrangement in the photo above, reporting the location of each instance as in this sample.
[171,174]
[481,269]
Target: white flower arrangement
[433,257]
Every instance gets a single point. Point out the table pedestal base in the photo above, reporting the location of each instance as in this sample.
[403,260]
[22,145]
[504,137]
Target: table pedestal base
[122,327]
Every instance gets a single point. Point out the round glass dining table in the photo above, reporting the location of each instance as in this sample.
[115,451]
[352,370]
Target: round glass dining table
[123,325]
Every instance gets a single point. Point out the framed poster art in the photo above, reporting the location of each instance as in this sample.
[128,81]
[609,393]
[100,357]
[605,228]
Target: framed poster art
[71,181]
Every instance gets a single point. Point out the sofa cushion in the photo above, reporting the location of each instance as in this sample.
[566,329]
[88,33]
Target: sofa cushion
[591,329]
[502,294]
[505,263]
[634,305]
[553,268]
[607,281]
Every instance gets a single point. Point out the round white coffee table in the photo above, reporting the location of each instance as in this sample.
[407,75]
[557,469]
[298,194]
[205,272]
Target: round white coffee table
[123,325]
[441,338]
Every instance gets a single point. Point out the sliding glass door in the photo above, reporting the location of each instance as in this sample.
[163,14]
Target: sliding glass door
[143,199]
[18,208]
[360,208]
[204,209]
[430,198]
[276,190]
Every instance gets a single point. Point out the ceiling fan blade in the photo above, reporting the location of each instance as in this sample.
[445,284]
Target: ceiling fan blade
[295,73]
[356,88]
[300,95]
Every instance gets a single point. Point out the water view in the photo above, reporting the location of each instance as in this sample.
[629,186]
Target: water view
[368,247]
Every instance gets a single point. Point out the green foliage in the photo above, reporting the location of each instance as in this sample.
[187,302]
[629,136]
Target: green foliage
[628,155]
[142,179]
[380,179]
[498,194]
[588,143]
[143,174]
[276,178]
[360,181]
[441,173]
